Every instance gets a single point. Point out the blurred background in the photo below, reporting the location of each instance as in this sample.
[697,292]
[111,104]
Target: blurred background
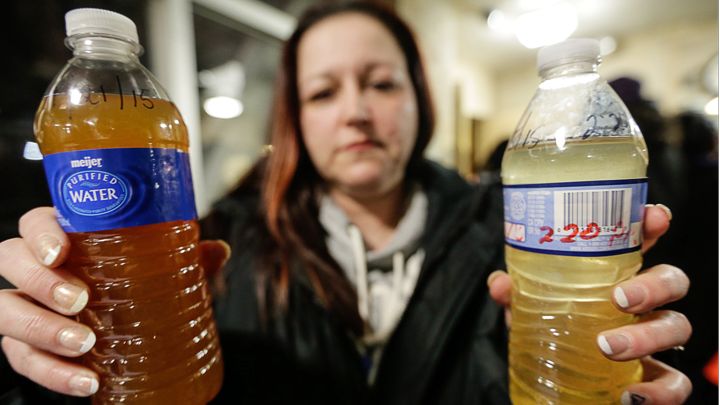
[217,59]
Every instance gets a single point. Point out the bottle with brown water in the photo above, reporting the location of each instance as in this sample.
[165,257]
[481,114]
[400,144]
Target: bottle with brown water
[116,157]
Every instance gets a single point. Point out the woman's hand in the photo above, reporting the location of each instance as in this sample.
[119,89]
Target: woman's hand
[654,331]
[39,337]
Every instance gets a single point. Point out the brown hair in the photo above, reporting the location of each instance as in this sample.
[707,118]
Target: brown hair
[290,182]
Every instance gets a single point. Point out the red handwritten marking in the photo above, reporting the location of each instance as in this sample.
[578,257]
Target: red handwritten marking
[621,233]
[588,234]
[570,238]
[591,231]
[548,236]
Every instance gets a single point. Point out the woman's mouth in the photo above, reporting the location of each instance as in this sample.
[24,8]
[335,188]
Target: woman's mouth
[360,146]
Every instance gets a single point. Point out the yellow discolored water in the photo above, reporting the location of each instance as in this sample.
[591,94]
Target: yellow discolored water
[561,303]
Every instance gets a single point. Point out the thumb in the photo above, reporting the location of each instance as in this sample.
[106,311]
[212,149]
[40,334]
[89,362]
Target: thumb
[656,223]
[213,256]
[500,287]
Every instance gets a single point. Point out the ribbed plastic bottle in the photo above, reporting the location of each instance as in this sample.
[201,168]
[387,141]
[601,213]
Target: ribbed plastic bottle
[116,158]
[574,184]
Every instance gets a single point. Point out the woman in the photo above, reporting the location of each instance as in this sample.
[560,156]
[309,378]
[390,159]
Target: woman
[358,268]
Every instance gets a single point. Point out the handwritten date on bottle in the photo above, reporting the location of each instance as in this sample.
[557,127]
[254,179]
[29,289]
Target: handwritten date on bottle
[607,124]
[100,95]
[589,232]
[596,125]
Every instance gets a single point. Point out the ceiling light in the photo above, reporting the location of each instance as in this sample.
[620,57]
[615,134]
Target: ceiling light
[499,22]
[546,26]
[223,107]
[711,108]
[222,89]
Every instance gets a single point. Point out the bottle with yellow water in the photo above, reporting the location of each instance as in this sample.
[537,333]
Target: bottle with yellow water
[574,179]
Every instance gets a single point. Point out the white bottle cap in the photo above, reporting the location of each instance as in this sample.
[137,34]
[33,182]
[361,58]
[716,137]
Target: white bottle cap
[98,21]
[567,51]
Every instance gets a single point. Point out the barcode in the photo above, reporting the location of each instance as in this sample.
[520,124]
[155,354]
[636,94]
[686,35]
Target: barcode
[606,208]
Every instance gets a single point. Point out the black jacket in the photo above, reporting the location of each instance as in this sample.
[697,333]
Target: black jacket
[450,344]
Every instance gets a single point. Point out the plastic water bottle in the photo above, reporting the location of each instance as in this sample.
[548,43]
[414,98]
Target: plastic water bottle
[116,157]
[574,180]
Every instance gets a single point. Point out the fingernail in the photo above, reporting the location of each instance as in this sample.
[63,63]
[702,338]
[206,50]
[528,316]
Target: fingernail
[71,297]
[227,250]
[613,344]
[83,385]
[49,248]
[495,274]
[628,296]
[666,210]
[663,207]
[631,398]
[620,298]
[77,339]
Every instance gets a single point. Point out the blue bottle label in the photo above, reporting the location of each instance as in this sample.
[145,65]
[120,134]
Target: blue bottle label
[595,218]
[102,189]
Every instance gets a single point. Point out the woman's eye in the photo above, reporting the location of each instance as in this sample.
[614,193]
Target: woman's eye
[383,85]
[321,95]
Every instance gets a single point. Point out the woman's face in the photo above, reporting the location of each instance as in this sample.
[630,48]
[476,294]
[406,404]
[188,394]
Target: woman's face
[358,111]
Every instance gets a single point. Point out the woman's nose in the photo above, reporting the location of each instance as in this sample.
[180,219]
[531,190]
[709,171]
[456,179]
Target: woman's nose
[355,108]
